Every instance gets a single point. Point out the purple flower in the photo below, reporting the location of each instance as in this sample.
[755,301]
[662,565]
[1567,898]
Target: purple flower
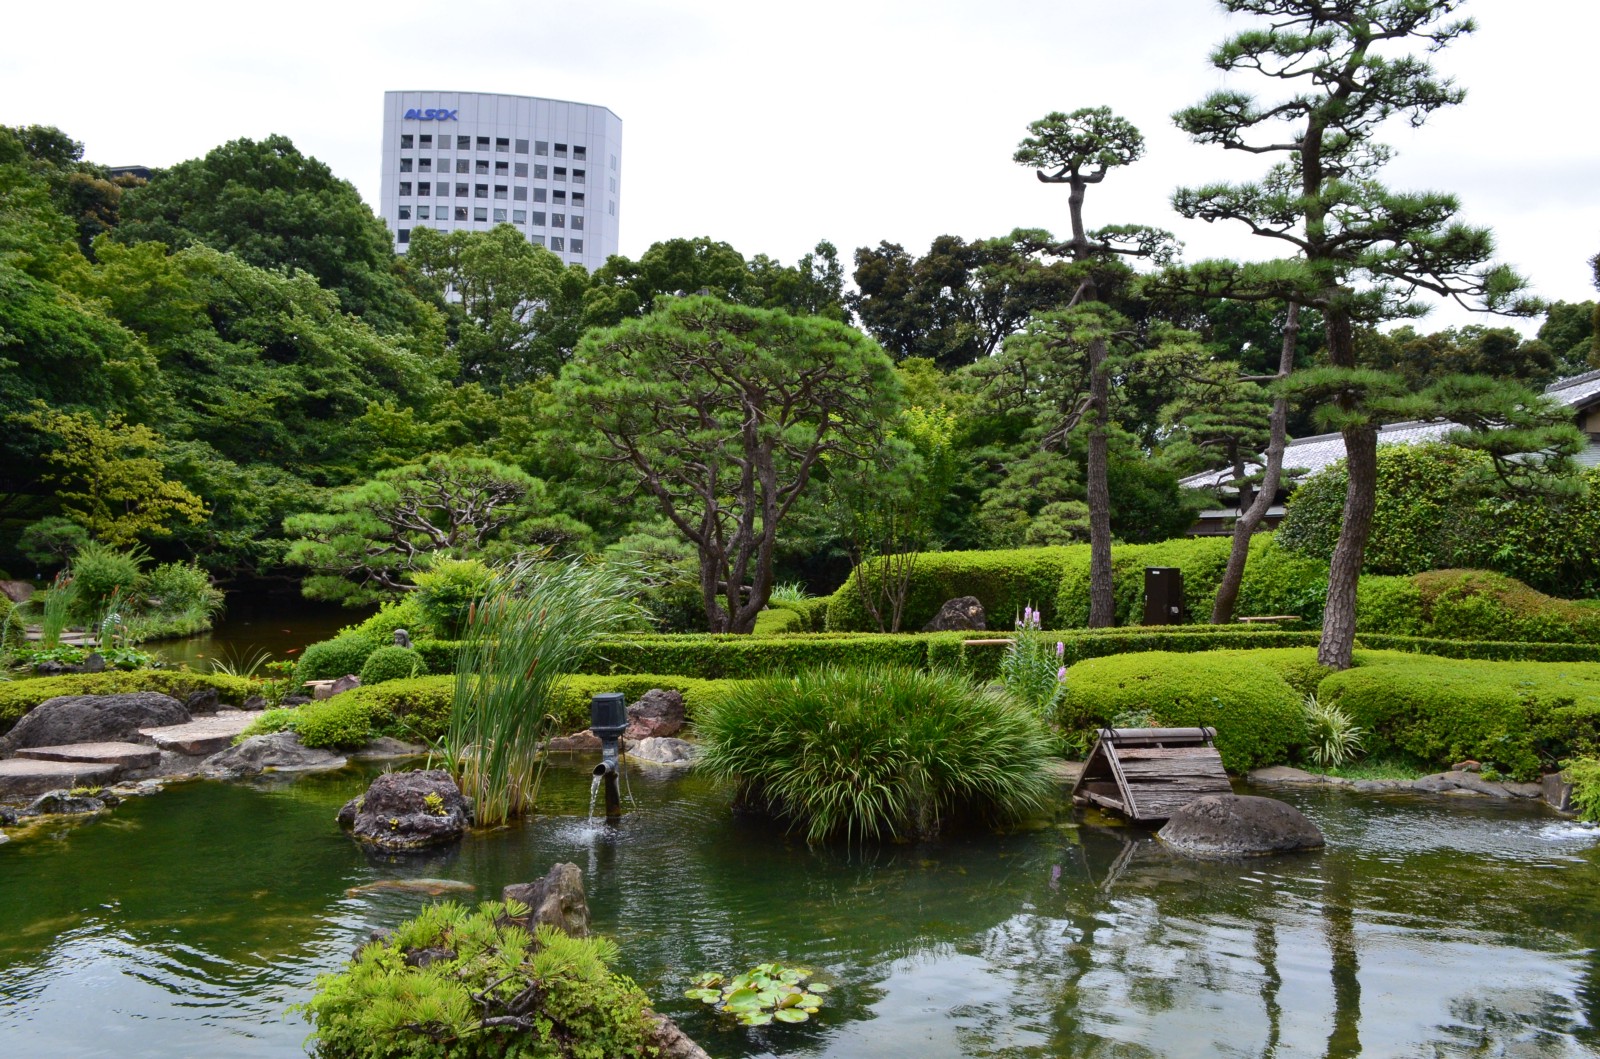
[1061,649]
[1061,674]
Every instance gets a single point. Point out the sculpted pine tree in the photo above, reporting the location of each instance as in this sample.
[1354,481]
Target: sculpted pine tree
[1077,150]
[1362,252]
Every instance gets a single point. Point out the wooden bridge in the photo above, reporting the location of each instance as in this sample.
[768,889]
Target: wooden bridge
[1147,774]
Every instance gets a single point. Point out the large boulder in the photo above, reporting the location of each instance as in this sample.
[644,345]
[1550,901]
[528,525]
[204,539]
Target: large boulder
[557,899]
[662,750]
[657,713]
[280,751]
[962,614]
[16,591]
[93,719]
[1239,825]
[407,811]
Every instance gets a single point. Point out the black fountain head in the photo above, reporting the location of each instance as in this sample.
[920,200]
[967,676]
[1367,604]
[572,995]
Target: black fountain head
[608,714]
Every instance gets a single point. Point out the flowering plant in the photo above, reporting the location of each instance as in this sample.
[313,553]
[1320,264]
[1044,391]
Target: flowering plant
[1033,669]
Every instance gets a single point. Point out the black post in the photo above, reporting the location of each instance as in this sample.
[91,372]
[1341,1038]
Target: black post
[608,719]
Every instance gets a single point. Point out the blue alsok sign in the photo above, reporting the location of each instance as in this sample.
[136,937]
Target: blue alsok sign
[431,115]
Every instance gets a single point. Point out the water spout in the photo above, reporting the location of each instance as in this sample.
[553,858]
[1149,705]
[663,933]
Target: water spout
[608,718]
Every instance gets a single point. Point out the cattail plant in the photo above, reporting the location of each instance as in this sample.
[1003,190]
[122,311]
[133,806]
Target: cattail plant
[534,624]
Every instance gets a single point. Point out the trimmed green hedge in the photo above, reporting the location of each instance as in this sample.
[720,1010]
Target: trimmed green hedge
[331,659]
[17,697]
[1519,716]
[1004,581]
[392,663]
[1202,560]
[1244,695]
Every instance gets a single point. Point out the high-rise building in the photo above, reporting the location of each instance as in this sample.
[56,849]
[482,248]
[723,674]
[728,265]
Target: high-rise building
[472,160]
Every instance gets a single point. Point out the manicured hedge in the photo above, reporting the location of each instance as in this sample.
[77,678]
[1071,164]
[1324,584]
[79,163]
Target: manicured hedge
[812,614]
[1522,717]
[1004,581]
[17,697]
[1201,559]
[1244,695]
[331,659]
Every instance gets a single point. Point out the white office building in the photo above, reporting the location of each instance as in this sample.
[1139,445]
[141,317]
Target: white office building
[472,160]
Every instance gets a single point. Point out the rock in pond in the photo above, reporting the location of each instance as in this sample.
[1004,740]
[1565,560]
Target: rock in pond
[577,741]
[93,719]
[408,811]
[663,751]
[657,713]
[1239,825]
[557,899]
[280,751]
[63,803]
[962,614]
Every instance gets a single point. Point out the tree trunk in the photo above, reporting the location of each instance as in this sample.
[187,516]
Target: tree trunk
[1360,497]
[1102,601]
[1277,438]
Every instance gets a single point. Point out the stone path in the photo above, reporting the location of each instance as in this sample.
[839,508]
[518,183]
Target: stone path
[202,736]
[21,777]
[126,756]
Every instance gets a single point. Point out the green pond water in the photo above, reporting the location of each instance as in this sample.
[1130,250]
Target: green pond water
[185,923]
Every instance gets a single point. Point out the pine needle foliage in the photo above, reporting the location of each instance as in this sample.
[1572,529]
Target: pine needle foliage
[876,753]
[534,625]
[488,988]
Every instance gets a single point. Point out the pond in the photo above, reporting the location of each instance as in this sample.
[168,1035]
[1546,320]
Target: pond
[279,624]
[185,924]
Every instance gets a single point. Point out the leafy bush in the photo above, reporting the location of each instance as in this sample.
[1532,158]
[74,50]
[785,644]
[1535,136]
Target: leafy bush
[1519,716]
[405,613]
[101,573]
[1332,738]
[270,722]
[332,659]
[1003,581]
[17,697]
[1480,605]
[812,613]
[172,588]
[1279,581]
[495,991]
[1202,560]
[342,722]
[1242,694]
[880,752]
[1584,775]
[446,591]
[1033,670]
[1389,605]
[392,663]
[776,620]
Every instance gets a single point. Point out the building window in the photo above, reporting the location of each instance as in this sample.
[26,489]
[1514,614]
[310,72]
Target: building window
[577,200]
[541,172]
[405,187]
[422,213]
[613,163]
[405,165]
[463,165]
[483,143]
[482,168]
[561,150]
[561,173]
[558,220]
[538,194]
[502,168]
[405,235]
[522,146]
[558,197]
[522,169]
[520,194]
[577,246]
[577,176]
[405,141]
[499,191]
[480,213]
[425,140]
[536,240]
[556,243]
[611,208]
[502,145]
[579,154]
[538,218]
[577,222]
[499,215]
[541,147]
[463,190]
[405,213]
[461,213]
[519,216]
[463,143]
[425,188]
[613,185]
[444,165]
[424,165]
[480,191]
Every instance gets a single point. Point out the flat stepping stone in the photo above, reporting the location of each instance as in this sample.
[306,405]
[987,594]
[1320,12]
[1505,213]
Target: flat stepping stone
[22,778]
[126,756]
[204,735]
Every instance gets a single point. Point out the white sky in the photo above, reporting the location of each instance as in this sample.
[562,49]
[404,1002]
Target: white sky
[774,125]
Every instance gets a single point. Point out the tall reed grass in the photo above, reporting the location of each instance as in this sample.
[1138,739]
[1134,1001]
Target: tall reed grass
[534,624]
[56,614]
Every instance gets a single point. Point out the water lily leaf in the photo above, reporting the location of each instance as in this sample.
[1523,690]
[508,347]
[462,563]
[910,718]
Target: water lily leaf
[709,996]
[808,1000]
[707,980]
[818,987]
[740,982]
[743,1000]
[790,1015]
[757,1018]
[792,1000]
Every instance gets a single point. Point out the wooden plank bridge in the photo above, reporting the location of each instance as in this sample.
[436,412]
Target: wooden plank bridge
[1147,774]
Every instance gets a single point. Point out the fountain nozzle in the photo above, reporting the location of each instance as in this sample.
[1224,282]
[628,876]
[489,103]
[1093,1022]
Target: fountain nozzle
[608,719]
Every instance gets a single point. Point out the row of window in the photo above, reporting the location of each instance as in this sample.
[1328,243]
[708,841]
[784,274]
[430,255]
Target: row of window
[558,243]
[481,191]
[557,220]
[502,145]
[481,168]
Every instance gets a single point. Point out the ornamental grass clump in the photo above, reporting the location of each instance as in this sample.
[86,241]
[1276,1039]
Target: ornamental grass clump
[881,752]
[1332,738]
[535,624]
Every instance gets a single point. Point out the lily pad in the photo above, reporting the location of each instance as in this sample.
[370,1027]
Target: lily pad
[790,1015]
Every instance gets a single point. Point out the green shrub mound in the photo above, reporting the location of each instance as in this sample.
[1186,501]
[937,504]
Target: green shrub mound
[493,991]
[874,753]
[1244,695]
[392,663]
[1003,581]
[1201,560]
[1584,775]
[332,659]
[1521,717]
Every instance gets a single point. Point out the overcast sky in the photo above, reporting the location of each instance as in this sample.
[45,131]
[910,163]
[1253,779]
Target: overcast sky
[774,125]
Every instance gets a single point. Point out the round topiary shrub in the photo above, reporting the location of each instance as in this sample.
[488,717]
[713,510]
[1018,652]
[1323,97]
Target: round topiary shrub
[881,752]
[332,659]
[342,722]
[392,663]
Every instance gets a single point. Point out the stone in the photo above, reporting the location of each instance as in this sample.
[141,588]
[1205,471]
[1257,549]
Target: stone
[408,811]
[21,778]
[962,614]
[128,757]
[1239,825]
[204,700]
[402,638]
[295,700]
[202,736]
[16,591]
[1454,782]
[670,1041]
[1557,792]
[93,719]
[1285,776]
[94,663]
[348,682]
[52,669]
[384,748]
[8,817]
[280,752]
[557,899]
[63,803]
[584,740]
[1468,765]
[254,704]
[663,750]
[657,713]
